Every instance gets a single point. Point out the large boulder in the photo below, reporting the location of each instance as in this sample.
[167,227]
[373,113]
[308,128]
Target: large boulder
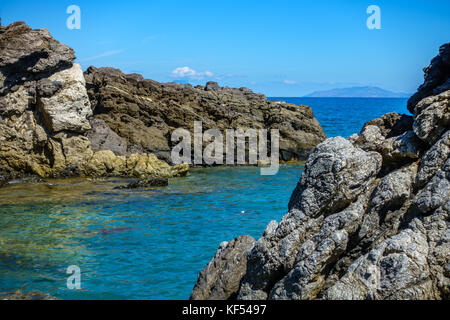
[20,295]
[28,55]
[436,77]
[324,211]
[103,138]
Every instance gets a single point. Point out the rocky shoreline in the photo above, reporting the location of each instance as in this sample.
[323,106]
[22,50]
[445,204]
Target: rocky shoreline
[145,113]
[368,219]
[45,112]
[56,121]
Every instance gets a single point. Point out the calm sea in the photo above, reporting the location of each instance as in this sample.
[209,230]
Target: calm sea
[345,116]
[149,244]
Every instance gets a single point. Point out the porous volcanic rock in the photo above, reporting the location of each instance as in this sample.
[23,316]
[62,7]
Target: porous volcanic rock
[145,112]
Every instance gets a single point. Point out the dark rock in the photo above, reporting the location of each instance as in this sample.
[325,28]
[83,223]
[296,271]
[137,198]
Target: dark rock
[103,138]
[145,112]
[46,88]
[392,124]
[220,279]
[212,86]
[150,182]
[436,74]
[3,180]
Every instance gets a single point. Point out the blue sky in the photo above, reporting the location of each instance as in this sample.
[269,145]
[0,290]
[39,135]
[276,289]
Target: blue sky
[279,48]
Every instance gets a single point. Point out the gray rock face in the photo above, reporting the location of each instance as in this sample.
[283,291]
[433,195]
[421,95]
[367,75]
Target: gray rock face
[335,174]
[20,295]
[391,136]
[220,279]
[369,217]
[150,182]
[434,159]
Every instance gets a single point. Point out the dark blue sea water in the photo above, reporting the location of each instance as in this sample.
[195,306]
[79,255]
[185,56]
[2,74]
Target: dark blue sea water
[345,116]
[149,244]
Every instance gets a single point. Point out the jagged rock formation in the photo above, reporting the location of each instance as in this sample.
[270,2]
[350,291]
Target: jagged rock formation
[222,276]
[369,217]
[145,112]
[146,183]
[32,295]
[45,111]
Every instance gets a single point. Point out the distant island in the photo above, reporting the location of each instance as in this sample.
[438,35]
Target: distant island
[358,92]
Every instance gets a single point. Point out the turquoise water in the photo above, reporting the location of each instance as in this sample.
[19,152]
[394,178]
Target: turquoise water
[132,244]
[345,116]
[149,244]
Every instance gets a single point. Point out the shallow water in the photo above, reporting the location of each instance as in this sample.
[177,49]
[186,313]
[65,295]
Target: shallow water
[132,244]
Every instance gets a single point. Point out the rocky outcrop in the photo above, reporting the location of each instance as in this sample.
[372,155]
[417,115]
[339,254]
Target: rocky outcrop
[32,295]
[145,112]
[369,217]
[220,279]
[146,183]
[437,76]
[45,126]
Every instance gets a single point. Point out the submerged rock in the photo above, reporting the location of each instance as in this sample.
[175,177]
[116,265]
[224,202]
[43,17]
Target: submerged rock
[32,295]
[369,217]
[45,125]
[146,183]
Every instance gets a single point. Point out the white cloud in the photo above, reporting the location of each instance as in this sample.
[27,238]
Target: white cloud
[290,82]
[186,72]
[149,38]
[104,54]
